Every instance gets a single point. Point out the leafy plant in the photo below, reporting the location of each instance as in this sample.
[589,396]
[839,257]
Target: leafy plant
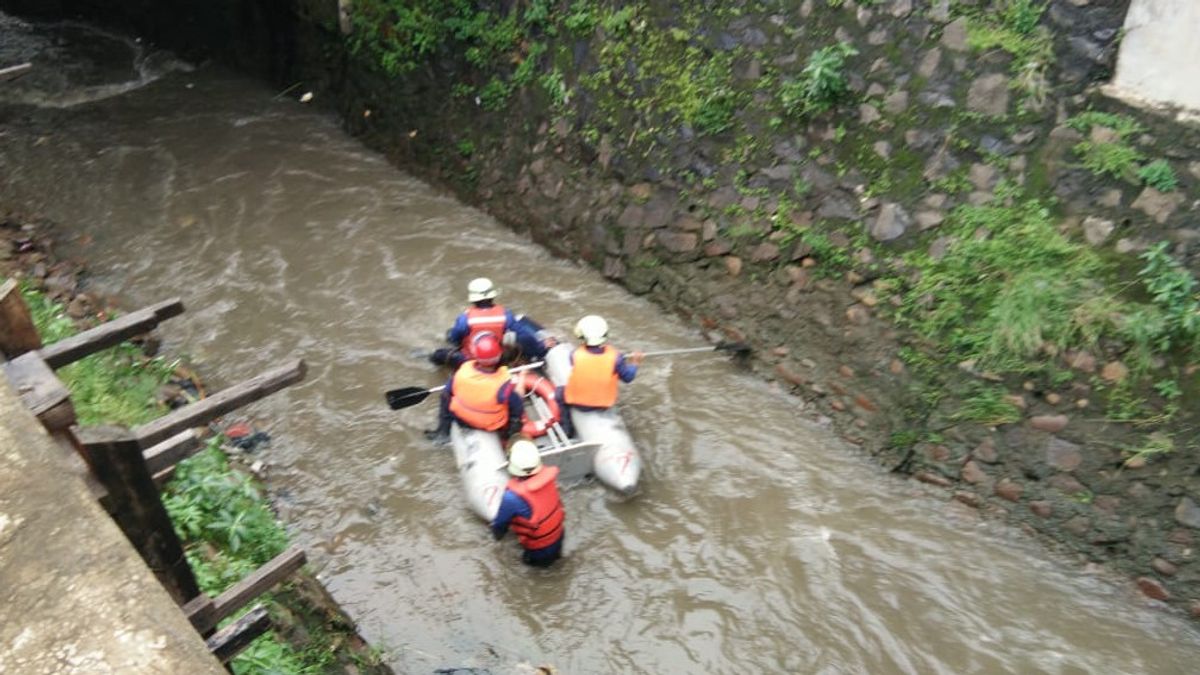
[988,405]
[822,83]
[1159,175]
[1113,159]
[1172,289]
[1157,443]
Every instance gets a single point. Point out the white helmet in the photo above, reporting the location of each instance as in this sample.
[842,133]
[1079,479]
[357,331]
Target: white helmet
[524,458]
[481,289]
[592,329]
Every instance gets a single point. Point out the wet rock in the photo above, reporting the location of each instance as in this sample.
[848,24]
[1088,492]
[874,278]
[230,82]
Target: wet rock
[1009,490]
[678,242]
[717,248]
[893,222]
[940,10]
[969,498]
[1097,230]
[1041,508]
[733,265]
[896,102]
[764,252]
[837,205]
[687,224]
[858,315]
[933,478]
[1066,484]
[1063,455]
[614,267]
[1114,371]
[1188,513]
[868,114]
[954,35]
[986,451]
[982,176]
[1158,205]
[1164,567]
[1053,398]
[1151,588]
[1049,423]
[988,95]
[973,473]
[929,63]
[1081,360]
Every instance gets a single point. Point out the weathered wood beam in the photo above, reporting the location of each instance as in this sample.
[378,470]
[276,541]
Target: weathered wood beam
[258,582]
[13,72]
[106,335]
[17,332]
[40,390]
[199,611]
[232,639]
[204,411]
[116,459]
[171,451]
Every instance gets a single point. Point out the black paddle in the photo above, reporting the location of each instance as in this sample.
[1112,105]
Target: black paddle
[406,397]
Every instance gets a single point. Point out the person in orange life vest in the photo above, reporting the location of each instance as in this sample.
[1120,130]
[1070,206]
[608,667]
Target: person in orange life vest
[596,368]
[483,316]
[531,506]
[480,394]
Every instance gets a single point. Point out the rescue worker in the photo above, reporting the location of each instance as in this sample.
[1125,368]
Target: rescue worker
[480,394]
[483,316]
[596,368]
[531,506]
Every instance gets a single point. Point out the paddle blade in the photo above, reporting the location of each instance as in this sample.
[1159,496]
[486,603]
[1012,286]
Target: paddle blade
[406,397]
[739,348]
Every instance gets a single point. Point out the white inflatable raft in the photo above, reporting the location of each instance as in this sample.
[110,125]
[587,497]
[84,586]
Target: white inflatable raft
[601,448]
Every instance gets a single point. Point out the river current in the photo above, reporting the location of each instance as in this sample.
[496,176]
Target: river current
[759,542]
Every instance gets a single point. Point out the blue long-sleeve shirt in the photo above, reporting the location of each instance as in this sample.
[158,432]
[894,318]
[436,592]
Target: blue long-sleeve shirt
[511,506]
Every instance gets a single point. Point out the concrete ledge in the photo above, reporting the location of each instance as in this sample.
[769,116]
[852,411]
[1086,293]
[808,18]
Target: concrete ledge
[1159,61]
[75,597]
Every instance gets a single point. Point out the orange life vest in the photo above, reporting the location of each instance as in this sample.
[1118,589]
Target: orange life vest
[474,400]
[593,380]
[544,526]
[483,320]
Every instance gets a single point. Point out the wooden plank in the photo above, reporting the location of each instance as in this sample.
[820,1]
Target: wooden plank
[171,451]
[13,72]
[163,477]
[39,388]
[204,411]
[108,334]
[258,582]
[232,639]
[17,332]
[199,611]
[116,458]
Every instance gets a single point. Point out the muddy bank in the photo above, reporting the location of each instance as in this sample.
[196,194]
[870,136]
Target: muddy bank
[790,234]
[305,616]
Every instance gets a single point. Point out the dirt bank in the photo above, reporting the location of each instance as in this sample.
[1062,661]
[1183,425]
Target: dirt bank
[689,153]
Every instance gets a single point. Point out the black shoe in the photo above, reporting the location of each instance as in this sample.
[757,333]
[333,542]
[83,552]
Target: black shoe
[440,357]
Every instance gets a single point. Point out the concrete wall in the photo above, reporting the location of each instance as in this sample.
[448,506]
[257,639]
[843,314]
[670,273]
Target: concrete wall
[1159,60]
[75,597]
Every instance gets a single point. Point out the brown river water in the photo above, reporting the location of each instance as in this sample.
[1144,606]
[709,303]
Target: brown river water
[758,542]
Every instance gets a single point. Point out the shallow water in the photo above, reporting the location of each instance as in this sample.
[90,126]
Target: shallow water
[759,542]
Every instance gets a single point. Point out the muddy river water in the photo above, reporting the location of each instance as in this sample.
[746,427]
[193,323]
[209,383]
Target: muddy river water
[758,542]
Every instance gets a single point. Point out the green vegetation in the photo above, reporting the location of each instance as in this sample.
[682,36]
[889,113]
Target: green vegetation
[1159,175]
[988,405]
[822,83]
[1012,26]
[1107,150]
[225,523]
[1157,443]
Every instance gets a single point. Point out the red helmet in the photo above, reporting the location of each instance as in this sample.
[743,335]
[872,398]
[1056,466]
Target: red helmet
[486,349]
